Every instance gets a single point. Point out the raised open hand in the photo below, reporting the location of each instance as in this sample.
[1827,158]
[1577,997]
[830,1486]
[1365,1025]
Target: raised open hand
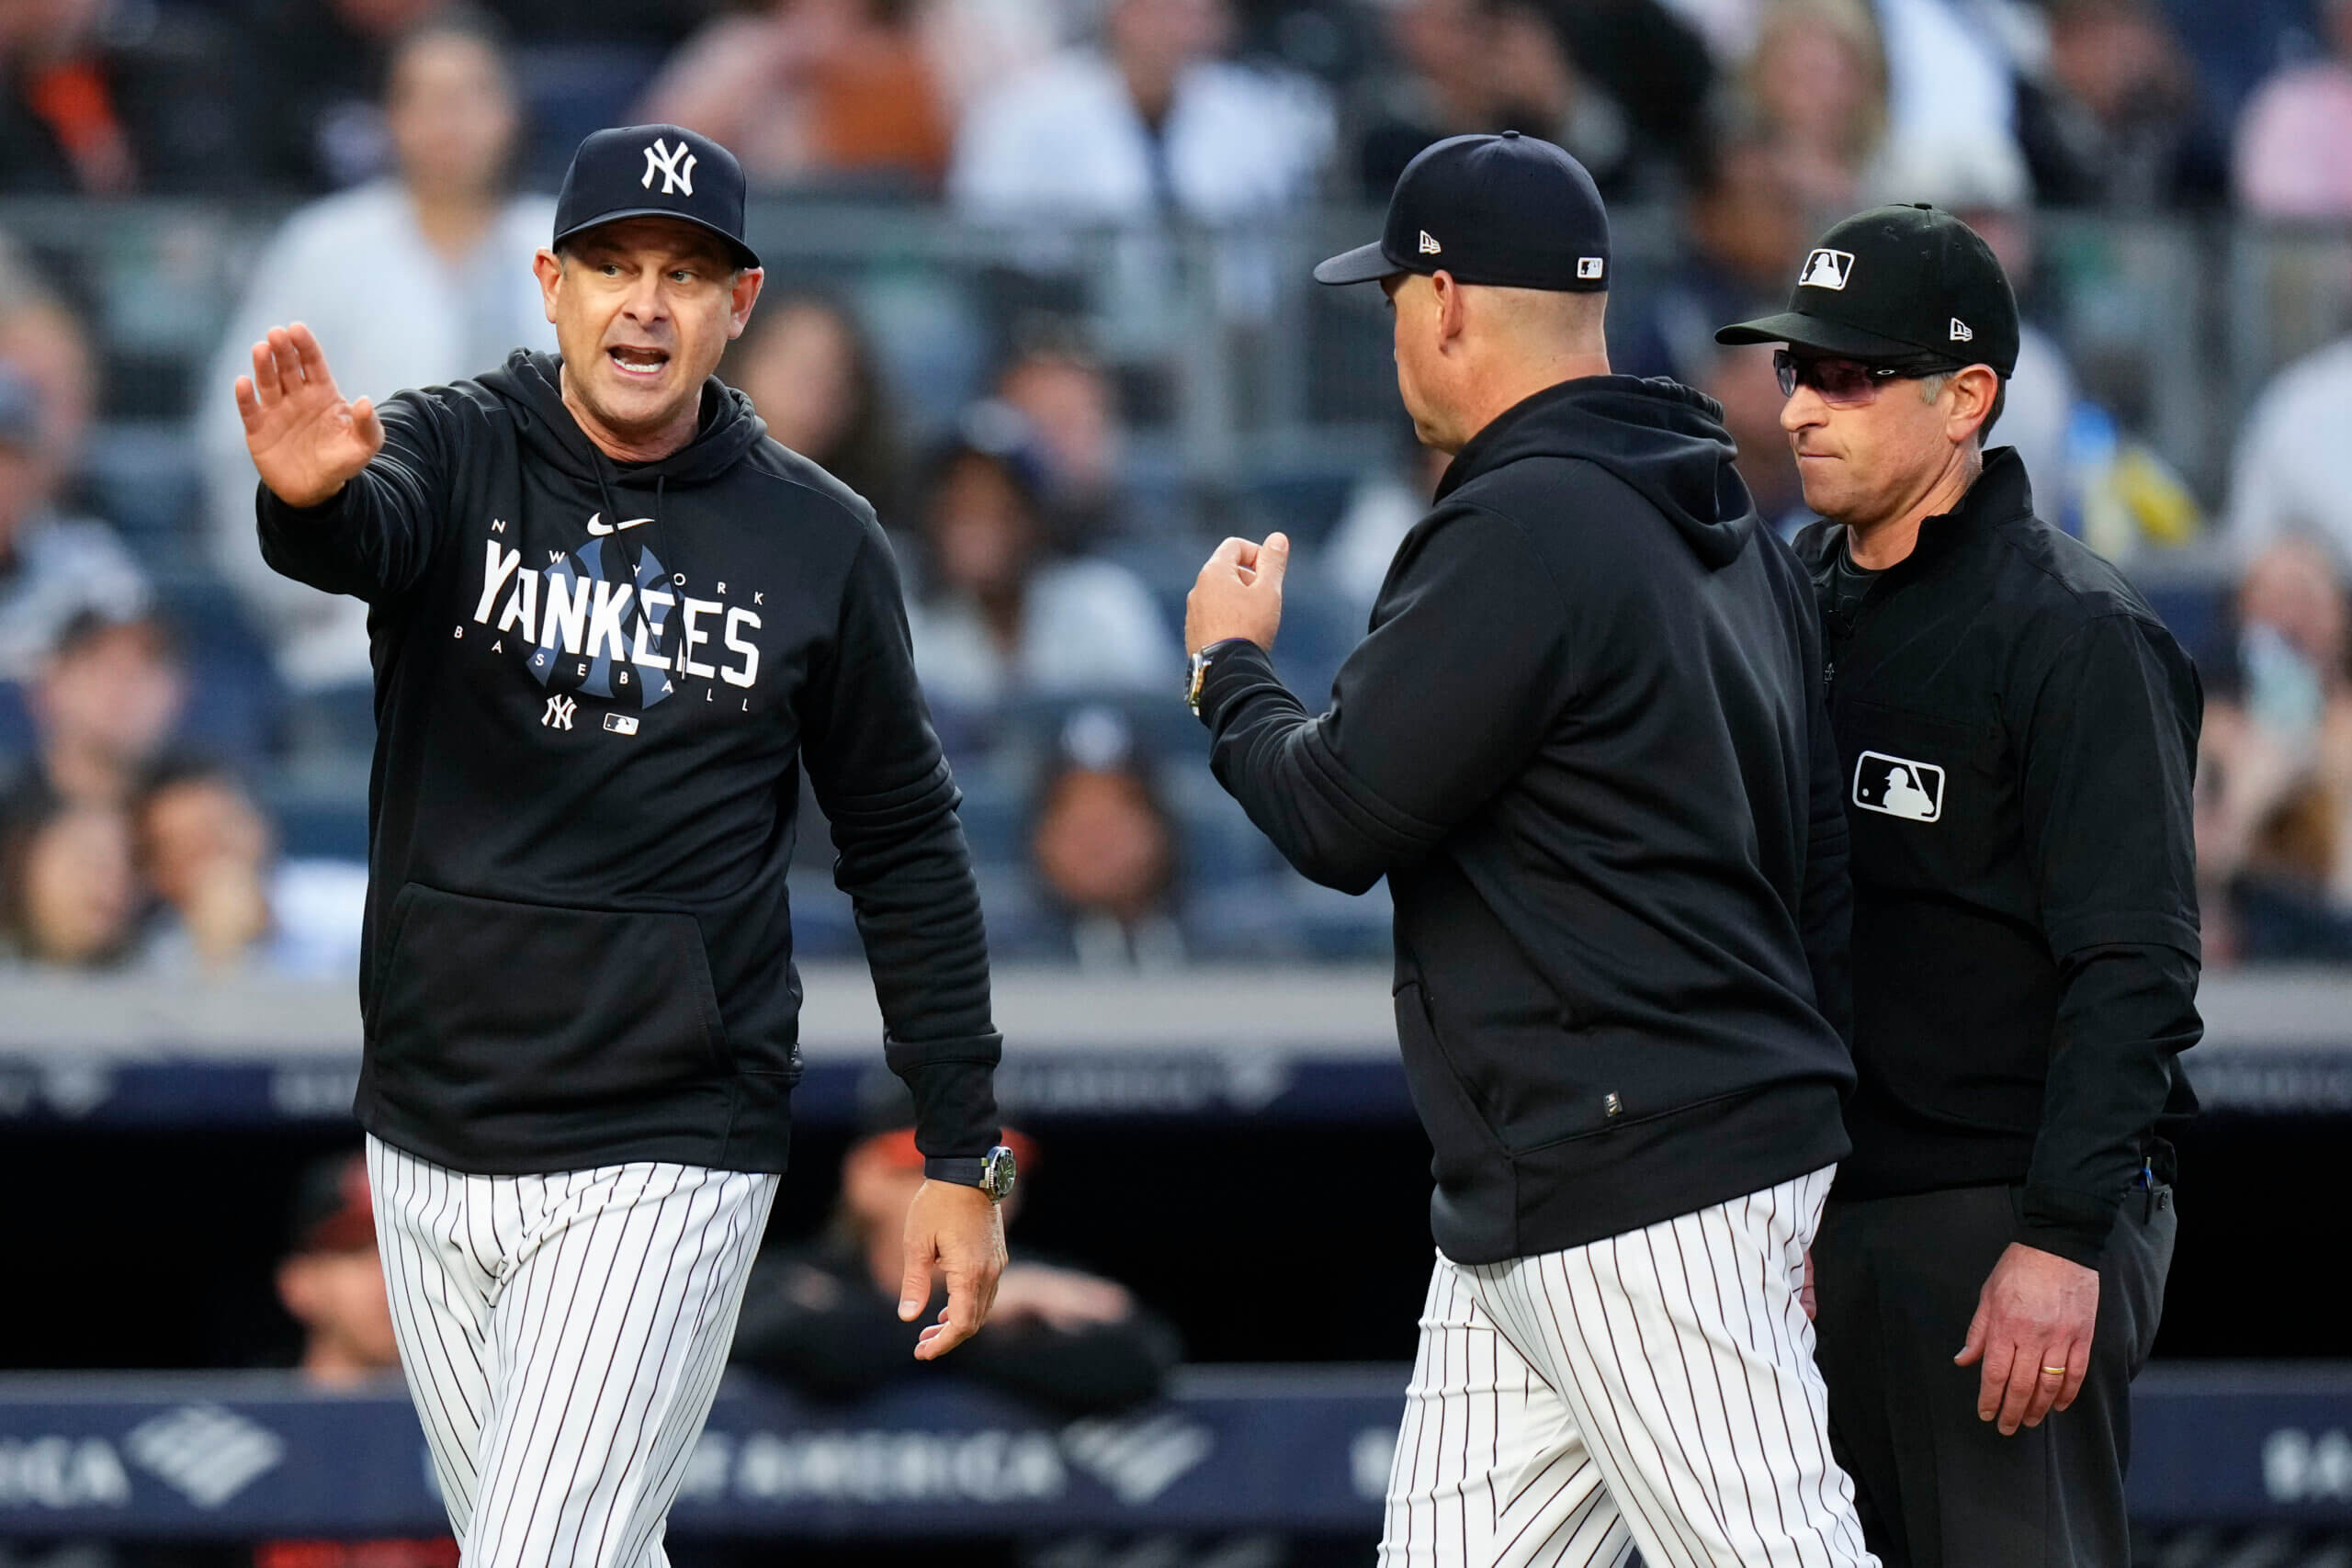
[307,443]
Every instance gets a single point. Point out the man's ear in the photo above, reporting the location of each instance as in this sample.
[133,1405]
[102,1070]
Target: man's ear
[1972,392]
[746,294]
[1449,307]
[549,268]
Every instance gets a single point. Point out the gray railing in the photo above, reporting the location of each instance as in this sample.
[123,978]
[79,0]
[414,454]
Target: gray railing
[1246,365]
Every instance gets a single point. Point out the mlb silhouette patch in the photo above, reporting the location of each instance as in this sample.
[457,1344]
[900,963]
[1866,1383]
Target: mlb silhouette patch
[1826,269]
[1898,787]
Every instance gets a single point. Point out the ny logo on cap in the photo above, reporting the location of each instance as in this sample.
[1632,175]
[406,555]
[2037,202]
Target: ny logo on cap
[1826,269]
[675,165]
[1960,332]
[1428,247]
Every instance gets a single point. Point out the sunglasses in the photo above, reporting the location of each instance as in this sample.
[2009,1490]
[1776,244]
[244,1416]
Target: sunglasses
[1842,383]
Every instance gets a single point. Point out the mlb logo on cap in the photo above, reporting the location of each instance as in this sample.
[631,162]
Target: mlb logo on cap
[1826,269]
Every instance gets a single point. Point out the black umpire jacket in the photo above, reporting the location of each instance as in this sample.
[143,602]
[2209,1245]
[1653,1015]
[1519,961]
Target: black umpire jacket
[595,688]
[2018,732]
[1583,740]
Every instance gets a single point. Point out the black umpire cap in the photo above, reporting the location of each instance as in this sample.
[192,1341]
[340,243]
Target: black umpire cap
[1511,211]
[654,171]
[1908,286]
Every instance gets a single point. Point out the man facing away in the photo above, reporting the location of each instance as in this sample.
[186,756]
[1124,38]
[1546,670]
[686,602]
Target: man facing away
[1583,740]
[611,622]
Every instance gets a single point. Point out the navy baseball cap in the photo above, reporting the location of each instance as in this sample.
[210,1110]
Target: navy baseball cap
[1909,285]
[1511,211]
[654,171]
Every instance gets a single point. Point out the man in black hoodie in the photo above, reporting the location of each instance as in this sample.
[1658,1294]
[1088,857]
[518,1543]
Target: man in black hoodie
[611,622]
[1584,741]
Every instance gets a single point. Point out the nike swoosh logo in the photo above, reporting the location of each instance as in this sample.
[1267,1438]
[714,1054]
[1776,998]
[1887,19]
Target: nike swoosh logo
[597,524]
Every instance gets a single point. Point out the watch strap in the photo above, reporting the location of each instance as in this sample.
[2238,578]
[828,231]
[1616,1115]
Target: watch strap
[967,1172]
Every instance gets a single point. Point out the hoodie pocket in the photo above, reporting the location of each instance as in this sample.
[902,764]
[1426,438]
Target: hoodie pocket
[1463,1145]
[488,1007]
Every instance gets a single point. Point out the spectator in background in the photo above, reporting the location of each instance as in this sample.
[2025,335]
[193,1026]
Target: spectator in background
[1441,85]
[811,373]
[2287,476]
[105,705]
[2294,140]
[1816,87]
[418,279]
[2275,790]
[324,62]
[1743,381]
[52,568]
[332,1281]
[1072,407]
[2117,119]
[42,341]
[803,89]
[1950,68]
[994,616]
[1105,852]
[108,101]
[331,1284]
[1622,84]
[1985,184]
[225,903]
[824,1318]
[68,896]
[1381,510]
[1147,124]
[1743,235]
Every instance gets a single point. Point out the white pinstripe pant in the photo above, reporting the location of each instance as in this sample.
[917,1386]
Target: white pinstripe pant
[1657,1390]
[563,1337]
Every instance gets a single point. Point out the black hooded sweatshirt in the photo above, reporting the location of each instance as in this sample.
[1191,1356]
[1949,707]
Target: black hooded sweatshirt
[596,685]
[1583,740]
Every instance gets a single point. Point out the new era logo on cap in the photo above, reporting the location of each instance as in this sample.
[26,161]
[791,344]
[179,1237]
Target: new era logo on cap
[1430,247]
[1960,332]
[1826,269]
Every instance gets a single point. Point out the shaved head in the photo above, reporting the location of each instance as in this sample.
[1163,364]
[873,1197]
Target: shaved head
[1468,351]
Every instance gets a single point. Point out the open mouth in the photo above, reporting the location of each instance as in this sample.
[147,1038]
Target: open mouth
[639,364]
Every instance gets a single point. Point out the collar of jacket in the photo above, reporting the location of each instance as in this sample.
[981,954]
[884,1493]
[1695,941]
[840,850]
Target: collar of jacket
[1498,441]
[2001,494]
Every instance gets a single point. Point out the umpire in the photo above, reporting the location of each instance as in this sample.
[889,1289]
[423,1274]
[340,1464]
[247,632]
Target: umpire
[2017,731]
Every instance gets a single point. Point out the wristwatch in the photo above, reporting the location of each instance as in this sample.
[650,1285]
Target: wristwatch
[1200,671]
[994,1173]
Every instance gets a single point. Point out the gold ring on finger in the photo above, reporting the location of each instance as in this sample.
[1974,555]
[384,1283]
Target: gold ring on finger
[2053,1371]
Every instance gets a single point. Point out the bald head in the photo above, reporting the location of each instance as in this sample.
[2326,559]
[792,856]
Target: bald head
[1466,352]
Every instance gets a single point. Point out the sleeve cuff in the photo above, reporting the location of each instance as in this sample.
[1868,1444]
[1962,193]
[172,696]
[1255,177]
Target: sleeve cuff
[955,1114]
[2072,1226]
[1239,668]
[266,504]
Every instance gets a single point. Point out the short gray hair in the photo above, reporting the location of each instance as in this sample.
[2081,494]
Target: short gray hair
[1932,387]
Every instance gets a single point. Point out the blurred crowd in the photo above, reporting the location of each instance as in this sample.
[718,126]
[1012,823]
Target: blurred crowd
[178,725]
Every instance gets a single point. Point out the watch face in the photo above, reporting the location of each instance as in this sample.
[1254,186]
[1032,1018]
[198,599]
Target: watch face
[997,1173]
